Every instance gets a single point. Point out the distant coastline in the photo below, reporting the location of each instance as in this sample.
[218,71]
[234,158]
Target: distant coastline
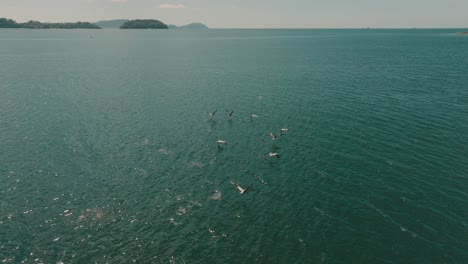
[145,23]
[114,23]
[9,23]
[189,26]
[117,23]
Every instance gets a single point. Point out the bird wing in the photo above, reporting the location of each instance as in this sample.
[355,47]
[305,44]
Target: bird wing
[248,188]
[239,188]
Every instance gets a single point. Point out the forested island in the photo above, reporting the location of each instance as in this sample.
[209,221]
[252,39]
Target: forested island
[144,24]
[9,23]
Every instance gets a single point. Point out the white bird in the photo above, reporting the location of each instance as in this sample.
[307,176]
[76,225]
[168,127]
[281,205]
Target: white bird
[212,113]
[252,116]
[273,154]
[284,130]
[273,136]
[222,142]
[242,190]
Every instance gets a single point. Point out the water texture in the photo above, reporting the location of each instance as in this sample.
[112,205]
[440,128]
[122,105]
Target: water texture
[108,153]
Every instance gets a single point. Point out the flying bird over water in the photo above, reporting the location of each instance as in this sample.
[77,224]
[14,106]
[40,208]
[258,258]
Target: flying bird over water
[284,130]
[273,136]
[241,190]
[252,116]
[212,113]
[229,113]
[273,154]
[222,142]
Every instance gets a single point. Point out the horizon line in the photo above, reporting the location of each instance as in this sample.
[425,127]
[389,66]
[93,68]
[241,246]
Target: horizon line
[300,27]
[290,28]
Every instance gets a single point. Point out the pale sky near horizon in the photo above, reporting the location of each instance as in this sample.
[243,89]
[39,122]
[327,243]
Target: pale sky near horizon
[250,14]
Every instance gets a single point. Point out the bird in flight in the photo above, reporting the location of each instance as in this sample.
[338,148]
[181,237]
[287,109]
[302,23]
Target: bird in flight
[212,113]
[273,154]
[273,136]
[241,190]
[229,113]
[222,142]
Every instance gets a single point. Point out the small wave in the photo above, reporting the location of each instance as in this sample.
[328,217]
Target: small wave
[185,209]
[197,164]
[216,196]
[166,151]
[214,234]
[145,142]
[92,213]
[404,229]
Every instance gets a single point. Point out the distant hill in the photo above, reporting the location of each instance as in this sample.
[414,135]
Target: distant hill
[144,24]
[116,23]
[189,26]
[195,26]
[8,23]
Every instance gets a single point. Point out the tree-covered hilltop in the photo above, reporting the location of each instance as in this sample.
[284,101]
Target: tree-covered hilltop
[144,24]
[9,23]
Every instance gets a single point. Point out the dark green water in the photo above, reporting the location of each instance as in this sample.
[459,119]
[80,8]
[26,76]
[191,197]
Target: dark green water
[107,152]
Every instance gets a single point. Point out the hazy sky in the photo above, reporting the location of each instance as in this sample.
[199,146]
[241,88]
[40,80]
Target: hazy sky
[250,13]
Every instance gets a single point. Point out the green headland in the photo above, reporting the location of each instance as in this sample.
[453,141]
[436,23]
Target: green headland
[9,23]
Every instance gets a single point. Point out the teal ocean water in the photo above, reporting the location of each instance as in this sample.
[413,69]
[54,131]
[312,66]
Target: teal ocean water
[108,154]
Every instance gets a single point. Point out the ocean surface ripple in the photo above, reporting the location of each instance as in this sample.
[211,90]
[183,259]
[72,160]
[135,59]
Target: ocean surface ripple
[108,154]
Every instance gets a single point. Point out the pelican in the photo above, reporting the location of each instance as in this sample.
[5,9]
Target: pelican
[273,154]
[222,142]
[273,136]
[212,113]
[242,190]
[229,113]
